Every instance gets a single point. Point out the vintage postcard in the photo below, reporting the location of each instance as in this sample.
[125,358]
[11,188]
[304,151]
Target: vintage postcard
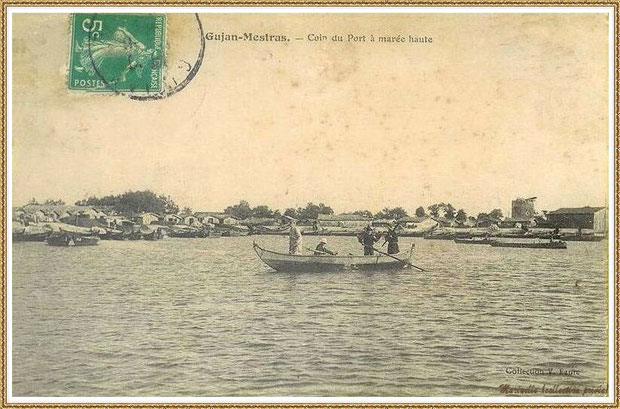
[310,205]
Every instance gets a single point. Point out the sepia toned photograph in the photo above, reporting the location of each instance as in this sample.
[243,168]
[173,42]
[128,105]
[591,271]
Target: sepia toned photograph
[311,205]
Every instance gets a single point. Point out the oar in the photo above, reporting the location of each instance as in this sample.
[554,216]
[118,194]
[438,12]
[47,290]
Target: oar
[318,251]
[396,258]
[322,252]
[390,230]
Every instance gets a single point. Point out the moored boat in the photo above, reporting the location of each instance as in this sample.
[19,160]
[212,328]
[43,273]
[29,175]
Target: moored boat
[234,231]
[152,236]
[67,239]
[474,240]
[440,236]
[320,263]
[152,232]
[271,230]
[31,233]
[212,233]
[18,233]
[114,234]
[588,237]
[134,233]
[181,231]
[531,244]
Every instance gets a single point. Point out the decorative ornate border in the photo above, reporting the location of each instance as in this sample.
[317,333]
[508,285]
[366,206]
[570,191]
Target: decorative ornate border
[305,3]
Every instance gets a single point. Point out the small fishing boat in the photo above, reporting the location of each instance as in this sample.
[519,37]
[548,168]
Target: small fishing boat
[235,231]
[474,240]
[133,233]
[181,231]
[31,233]
[152,236]
[212,233]
[67,239]
[531,244]
[320,263]
[271,230]
[441,236]
[18,233]
[584,237]
[114,234]
[518,235]
[152,232]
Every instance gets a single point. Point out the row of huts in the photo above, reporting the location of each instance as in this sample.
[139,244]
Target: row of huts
[89,216]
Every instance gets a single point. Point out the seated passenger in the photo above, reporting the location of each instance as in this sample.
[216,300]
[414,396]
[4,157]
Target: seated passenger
[321,248]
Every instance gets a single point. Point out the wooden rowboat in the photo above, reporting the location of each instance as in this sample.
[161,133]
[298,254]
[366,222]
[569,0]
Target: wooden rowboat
[319,263]
[531,245]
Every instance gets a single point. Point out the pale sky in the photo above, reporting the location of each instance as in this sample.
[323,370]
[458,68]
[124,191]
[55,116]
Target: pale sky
[497,107]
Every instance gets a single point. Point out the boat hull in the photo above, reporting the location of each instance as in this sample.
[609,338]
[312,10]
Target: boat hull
[474,241]
[439,237]
[183,234]
[114,235]
[71,240]
[319,263]
[542,245]
[31,237]
[591,238]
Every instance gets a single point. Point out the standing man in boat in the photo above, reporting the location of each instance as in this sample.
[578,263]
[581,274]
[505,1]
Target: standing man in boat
[391,238]
[368,238]
[294,238]
[555,234]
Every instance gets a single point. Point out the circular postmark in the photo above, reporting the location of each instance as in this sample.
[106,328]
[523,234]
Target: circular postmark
[143,68]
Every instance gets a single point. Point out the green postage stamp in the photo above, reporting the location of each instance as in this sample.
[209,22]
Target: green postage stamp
[117,52]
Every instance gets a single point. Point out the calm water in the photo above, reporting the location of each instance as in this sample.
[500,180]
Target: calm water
[205,317]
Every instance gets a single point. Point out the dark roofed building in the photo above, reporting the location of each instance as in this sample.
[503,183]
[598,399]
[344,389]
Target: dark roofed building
[594,218]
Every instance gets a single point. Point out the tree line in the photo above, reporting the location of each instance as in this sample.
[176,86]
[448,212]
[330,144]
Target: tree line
[130,202]
[134,202]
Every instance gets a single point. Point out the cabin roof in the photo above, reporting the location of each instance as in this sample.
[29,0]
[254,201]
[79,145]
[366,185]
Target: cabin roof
[576,210]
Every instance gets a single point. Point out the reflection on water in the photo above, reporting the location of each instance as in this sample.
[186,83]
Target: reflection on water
[204,317]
